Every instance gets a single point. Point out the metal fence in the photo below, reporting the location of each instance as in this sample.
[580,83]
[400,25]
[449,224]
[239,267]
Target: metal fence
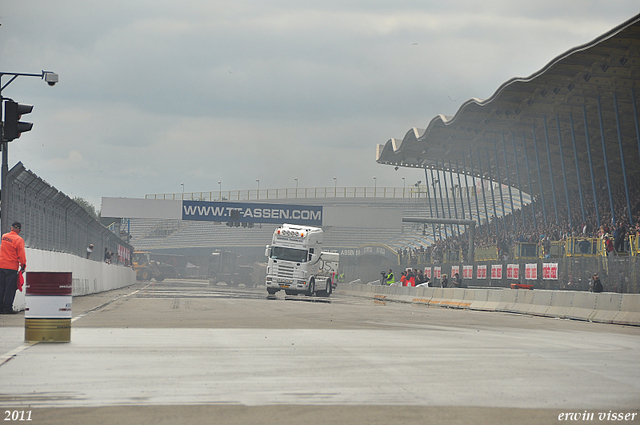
[417,192]
[51,221]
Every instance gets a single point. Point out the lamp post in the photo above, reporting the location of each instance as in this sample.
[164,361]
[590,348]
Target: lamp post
[375,186]
[220,189]
[258,193]
[50,78]
[335,187]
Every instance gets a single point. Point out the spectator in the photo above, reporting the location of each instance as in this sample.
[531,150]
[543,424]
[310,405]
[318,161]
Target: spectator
[596,285]
[89,250]
[618,237]
[457,281]
[411,278]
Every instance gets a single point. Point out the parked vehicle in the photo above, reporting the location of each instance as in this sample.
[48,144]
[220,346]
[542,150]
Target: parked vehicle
[147,269]
[223,267]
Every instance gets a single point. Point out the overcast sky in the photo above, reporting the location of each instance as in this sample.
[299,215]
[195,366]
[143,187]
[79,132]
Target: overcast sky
[156,94]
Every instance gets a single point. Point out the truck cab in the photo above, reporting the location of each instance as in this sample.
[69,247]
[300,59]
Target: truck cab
[296,264]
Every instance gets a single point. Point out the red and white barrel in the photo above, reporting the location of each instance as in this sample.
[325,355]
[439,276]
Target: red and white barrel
[48,306]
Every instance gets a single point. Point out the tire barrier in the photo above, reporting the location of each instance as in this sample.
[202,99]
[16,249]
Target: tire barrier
[613,308]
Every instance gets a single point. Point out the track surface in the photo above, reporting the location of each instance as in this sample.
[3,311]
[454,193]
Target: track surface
[186,352]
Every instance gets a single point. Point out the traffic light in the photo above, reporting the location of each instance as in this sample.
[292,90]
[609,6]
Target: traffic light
[13,127]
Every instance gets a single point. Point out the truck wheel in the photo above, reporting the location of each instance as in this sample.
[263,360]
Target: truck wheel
[312,288]
[146,274]
[327,291]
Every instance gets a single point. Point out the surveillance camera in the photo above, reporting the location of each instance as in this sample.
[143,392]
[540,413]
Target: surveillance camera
[51,78]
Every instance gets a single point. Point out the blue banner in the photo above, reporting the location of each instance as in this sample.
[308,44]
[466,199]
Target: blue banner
[250,212]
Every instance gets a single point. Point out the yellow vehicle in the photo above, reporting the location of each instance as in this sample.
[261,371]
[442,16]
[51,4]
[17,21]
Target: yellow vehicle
[146,268]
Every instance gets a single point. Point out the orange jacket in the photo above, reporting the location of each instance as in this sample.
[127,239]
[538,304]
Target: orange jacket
[12,254]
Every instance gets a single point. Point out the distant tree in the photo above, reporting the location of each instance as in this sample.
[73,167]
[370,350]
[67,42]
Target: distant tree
[88,207]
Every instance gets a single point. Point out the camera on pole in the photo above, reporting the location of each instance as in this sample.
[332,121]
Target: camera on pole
[13,127]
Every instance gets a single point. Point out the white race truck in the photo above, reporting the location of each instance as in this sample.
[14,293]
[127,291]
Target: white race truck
[297,264]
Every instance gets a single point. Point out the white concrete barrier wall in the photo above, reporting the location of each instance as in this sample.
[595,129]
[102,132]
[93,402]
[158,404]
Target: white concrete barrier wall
[603,307]
[89,277]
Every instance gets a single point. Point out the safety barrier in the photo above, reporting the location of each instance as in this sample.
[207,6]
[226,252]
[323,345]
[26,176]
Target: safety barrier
[89,277]
[604,307]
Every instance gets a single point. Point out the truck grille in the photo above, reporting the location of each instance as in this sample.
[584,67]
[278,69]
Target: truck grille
[284,271]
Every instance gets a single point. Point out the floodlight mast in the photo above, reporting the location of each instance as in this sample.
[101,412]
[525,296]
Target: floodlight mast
[50,78]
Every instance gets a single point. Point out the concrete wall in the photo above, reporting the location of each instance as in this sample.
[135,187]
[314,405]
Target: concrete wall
[89,277]
[606,307]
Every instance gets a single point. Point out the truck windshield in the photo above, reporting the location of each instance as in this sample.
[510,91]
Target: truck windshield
[289,254]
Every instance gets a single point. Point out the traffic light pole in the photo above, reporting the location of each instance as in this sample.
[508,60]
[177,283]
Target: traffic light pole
[5,191]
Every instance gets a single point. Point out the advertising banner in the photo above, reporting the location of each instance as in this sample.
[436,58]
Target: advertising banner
[481,273]
[437,272]
[513,271]
[427,272]
[250,212]
[496,271]
[531,271]
[454,270]
[467,272]
[550,271]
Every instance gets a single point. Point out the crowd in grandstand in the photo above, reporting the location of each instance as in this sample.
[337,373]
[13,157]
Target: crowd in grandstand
[541,224]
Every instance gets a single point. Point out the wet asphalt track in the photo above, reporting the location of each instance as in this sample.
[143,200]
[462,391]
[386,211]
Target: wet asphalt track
[188,352]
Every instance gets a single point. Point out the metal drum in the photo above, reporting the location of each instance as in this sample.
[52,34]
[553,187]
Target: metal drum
[48,307]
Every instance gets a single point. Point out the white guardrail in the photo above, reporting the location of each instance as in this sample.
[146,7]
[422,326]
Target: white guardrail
[606,307]
[88,277]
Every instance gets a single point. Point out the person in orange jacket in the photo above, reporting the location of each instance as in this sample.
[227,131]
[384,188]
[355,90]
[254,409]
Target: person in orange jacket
[12,260]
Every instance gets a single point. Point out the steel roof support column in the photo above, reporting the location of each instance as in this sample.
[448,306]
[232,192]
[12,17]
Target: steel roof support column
[446,191]
[464,216]
[526,162]
[453,195]
[441,199]
[624,170]
[606,162]
[553,186]
[575,155]
[484,197]
[506,166]
[635,117]
[426,179]
[464,165]
[544,205]
[593,180]
[493,196]
[564,174]
[435,198]
[515,157]
[504,214]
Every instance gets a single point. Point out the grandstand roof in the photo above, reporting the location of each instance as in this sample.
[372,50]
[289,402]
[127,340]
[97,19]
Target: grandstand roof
[590,81]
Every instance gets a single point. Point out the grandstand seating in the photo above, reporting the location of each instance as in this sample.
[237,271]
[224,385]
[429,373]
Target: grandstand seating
[156,234]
